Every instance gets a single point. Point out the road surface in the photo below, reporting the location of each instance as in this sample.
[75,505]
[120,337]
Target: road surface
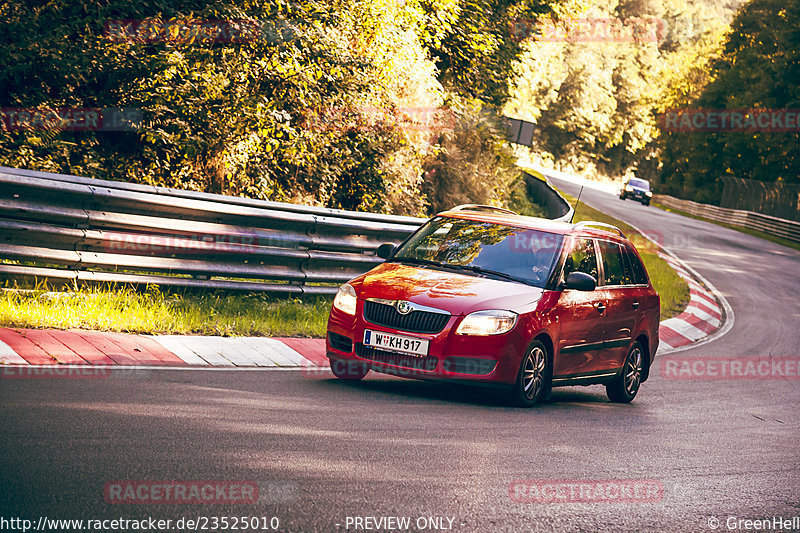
[324,452]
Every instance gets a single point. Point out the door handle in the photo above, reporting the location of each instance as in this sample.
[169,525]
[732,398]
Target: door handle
[601,307]
[635,305]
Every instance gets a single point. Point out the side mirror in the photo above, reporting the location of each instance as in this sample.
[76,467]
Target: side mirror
[580,281]
[385,250]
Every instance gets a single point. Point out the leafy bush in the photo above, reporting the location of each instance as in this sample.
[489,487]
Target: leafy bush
[757,68]
[597,103]
[473,164]
[339,103]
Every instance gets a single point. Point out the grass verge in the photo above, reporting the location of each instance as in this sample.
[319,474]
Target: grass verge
[674,291]
[748,231]
[110,308]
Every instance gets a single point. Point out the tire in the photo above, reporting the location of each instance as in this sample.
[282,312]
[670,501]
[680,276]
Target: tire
[624,388]
[622,196]
[645,202]
[533,378]
[348,370]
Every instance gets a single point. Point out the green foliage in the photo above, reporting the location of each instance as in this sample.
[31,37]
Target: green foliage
[596,101]
[119,308]
[336,102]
[474,163]
[474,44]
[221,117]
[758,68]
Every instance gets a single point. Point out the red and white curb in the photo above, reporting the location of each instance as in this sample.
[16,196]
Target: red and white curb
[706,317]
[78,347]
[702,320]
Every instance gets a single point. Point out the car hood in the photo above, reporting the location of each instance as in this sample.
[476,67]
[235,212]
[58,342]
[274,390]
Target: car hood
[450,291]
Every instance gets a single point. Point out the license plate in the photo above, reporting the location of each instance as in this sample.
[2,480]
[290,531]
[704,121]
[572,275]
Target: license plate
[396,343]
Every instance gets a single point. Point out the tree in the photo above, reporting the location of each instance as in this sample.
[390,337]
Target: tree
[597,96]
[330,102]
[474,43]
[759,68]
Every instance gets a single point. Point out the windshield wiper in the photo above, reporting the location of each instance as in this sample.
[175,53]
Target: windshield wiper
[416,261]
[469,268]
[486,271]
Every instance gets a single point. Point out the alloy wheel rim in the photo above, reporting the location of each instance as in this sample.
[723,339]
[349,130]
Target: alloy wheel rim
[533,372]
[633,371]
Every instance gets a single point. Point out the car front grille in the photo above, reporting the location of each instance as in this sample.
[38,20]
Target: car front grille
[390,358]
[416,321]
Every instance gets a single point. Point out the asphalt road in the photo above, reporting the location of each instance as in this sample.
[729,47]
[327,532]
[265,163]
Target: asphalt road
[321,450]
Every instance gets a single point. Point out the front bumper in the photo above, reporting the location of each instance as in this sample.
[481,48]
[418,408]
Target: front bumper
[488,359]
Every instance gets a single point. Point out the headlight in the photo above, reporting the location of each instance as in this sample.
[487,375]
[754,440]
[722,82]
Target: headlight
[648,193]
[493,322]
[345,300]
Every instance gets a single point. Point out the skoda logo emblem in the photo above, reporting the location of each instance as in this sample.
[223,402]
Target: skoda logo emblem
[403,307]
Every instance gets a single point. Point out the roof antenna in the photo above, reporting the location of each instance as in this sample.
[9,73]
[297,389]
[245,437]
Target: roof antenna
[575,208]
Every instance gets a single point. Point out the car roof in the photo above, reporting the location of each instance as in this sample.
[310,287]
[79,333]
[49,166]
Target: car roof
[542,224]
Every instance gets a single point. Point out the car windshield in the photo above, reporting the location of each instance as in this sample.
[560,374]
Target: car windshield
[506,252]
[641,184]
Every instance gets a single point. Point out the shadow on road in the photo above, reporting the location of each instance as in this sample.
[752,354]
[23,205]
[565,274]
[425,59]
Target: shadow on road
[423,392]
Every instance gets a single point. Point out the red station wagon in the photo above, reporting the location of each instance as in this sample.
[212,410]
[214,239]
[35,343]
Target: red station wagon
[481,294]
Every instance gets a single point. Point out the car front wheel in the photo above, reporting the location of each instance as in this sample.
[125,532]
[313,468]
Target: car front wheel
[349,370]
[624,388]
[533,379]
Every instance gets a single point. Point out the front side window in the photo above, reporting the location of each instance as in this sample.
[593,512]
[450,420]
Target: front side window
[582,258]
[519,254]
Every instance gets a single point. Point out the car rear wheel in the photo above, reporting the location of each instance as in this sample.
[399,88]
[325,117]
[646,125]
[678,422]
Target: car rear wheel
[624,388]
[349,370]
[533,381]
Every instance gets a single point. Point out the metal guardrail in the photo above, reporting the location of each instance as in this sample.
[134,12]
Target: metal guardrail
[775,198]
[69,228]
[779,227]
[72,228]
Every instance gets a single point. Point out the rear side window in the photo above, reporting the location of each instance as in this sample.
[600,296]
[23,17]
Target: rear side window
[614,264]
[582,258]
[638,272]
